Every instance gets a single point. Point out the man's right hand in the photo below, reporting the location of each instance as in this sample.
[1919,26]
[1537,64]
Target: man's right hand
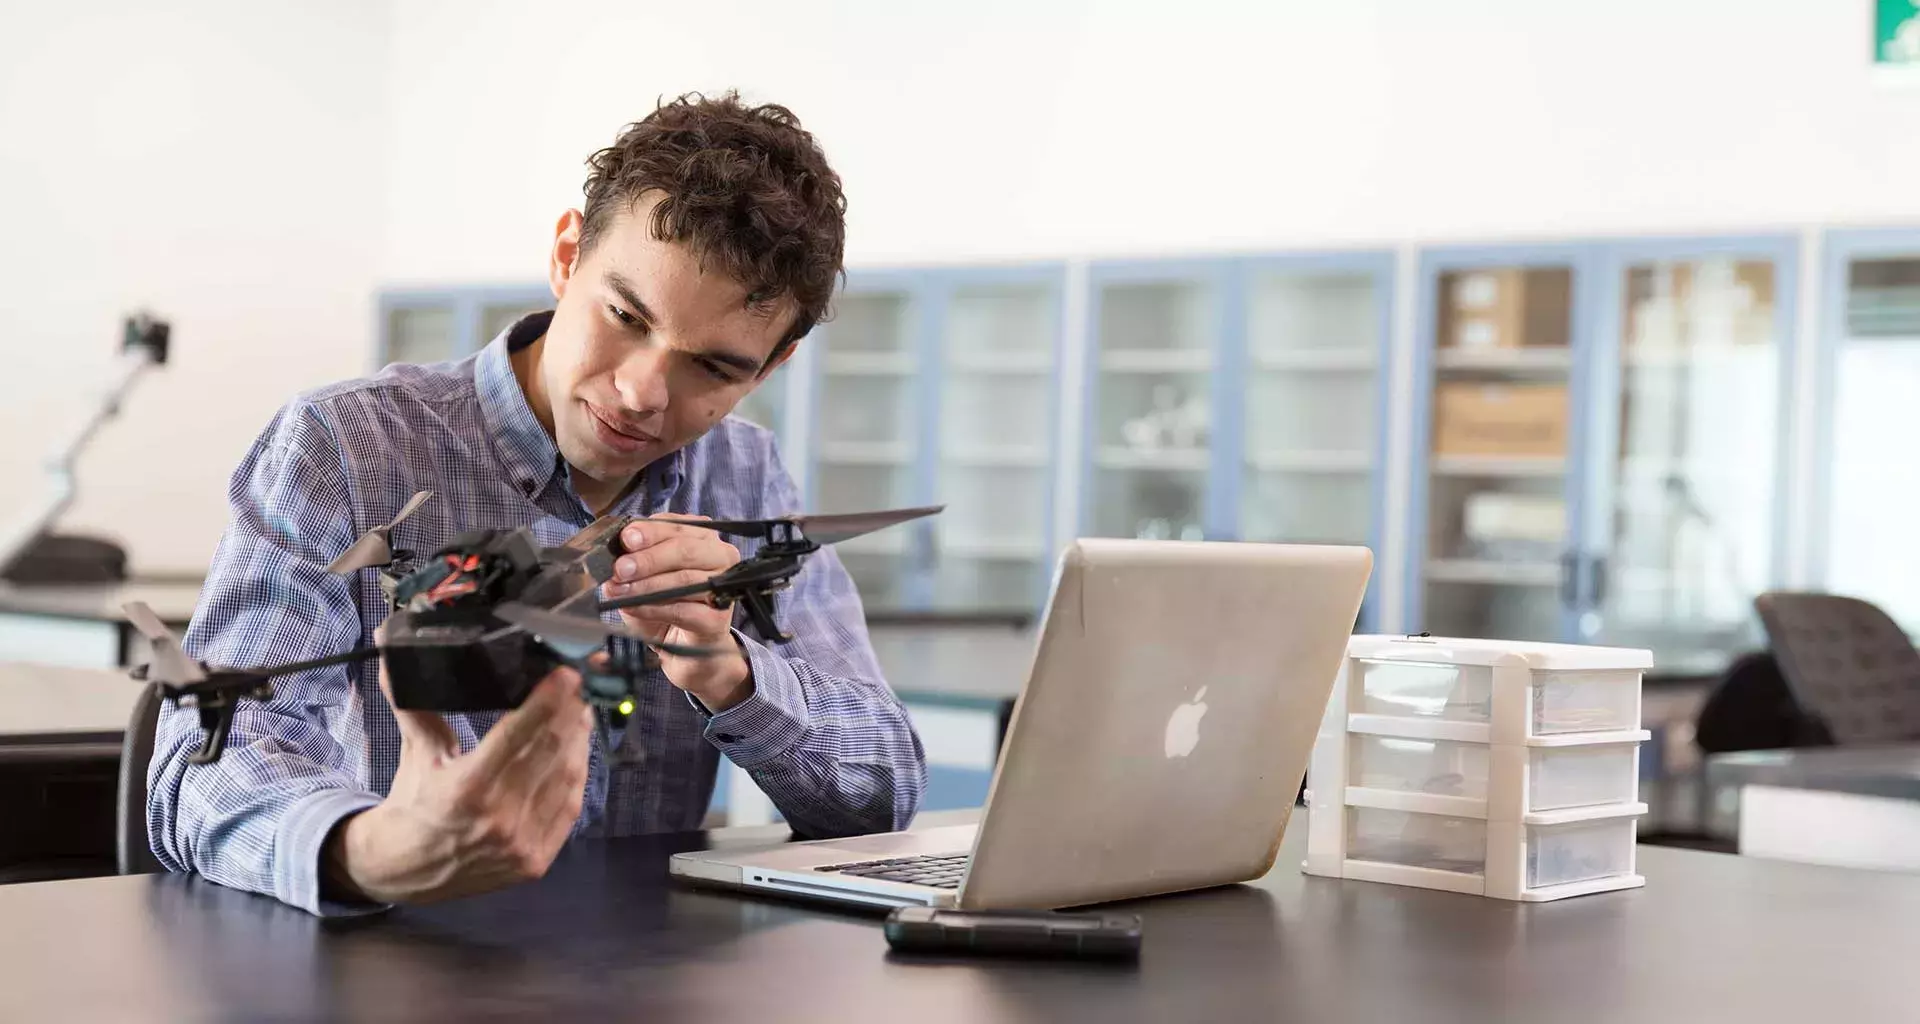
[458,824]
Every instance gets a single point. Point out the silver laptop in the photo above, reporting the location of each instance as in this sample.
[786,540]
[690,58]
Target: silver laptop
[1158,746]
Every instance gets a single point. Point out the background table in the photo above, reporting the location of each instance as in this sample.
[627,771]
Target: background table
[607,937]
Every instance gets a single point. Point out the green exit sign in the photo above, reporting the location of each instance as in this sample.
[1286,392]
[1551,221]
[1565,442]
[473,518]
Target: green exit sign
[1896,33]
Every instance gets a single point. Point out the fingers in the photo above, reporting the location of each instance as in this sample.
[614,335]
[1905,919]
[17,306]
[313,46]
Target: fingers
[553,804]
[696,618]
[663,581]
[549,715]
[639,534]
[686,550]
[425,732]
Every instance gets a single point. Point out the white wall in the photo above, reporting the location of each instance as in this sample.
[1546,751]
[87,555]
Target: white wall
[1013,128]
[219,162]
[256,171]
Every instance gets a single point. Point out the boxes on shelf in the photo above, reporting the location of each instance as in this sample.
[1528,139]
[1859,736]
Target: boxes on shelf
[1476,418]
[1507,525]
[1505,307]
[1488,767]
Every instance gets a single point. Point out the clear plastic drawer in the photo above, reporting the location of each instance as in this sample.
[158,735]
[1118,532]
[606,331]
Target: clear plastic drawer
[1439,767]
[1566,702]
[1558,854]
[1560,777]
[1460,693]
[1434,841]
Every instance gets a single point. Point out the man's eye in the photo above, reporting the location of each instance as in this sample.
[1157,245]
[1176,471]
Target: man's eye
[622,315]
[716,371]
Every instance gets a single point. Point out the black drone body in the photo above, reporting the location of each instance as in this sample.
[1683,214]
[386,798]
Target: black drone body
[475,625]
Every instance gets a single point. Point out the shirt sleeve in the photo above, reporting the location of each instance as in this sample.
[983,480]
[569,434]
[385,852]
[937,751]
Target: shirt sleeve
[822,734]
[294,766]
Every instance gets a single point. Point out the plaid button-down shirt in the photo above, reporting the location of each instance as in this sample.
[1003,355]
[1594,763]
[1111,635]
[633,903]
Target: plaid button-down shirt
[822,733]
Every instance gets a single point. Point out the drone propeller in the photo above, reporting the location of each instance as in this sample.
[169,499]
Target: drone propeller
[821,529]
[374,548]
[171,666]
[577,636]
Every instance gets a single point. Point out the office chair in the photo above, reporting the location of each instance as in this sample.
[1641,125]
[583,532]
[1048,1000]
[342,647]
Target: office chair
[132,852]
[1847,664]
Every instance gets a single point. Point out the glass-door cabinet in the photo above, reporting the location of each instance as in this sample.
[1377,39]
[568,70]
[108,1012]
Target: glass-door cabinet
[1238,399]
[1869,413]
[1687,451]
[1158,336]
[1307,431]
[1501,334]
[938,387]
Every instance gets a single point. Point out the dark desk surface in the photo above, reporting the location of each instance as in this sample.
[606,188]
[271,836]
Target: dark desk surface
[606,936]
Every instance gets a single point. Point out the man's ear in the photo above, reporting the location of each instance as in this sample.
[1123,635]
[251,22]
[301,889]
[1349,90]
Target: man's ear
[564,259]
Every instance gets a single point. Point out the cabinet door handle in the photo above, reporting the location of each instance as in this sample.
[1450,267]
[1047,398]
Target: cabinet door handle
[1597,585]
[1569,579]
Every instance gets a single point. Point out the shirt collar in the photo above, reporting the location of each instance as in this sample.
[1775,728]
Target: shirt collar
[526,449]
[524,445]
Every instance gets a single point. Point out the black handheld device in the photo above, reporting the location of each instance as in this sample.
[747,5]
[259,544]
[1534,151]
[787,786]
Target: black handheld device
[1028,933]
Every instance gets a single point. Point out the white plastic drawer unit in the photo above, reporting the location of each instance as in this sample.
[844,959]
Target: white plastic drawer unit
[1509,770]
[1543,856]
[1481,691]
[1548,778]
[1431,842]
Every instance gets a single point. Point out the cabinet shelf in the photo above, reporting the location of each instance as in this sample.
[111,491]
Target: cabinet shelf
[1194,460]
[1498,465]
[1175,360]
[1310,462]
[1505,359]
[1007,363]
[1008,549]
[868,364]
[866,453]
[1331,360]
[1512,574]
[1012,456]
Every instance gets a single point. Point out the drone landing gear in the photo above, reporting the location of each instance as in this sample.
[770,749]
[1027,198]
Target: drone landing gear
[216,720]
[760,612]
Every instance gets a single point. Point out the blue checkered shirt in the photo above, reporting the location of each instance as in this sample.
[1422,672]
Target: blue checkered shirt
[823,735]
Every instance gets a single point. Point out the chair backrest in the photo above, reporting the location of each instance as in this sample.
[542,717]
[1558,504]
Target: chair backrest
[1751,708]
[1847,663]
[131,849]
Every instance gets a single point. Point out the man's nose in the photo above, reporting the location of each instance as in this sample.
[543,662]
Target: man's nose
[641,380]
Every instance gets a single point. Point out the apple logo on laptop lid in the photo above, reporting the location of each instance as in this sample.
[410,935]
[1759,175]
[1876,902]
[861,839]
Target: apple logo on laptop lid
[1183,726]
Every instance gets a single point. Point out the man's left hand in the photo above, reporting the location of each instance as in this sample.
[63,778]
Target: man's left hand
[663,554]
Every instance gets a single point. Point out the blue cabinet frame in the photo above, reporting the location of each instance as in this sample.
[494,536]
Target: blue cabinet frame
[466,303]
[1602,383]
[1839,248]
[1584,264]
[929,293]
[1227,282]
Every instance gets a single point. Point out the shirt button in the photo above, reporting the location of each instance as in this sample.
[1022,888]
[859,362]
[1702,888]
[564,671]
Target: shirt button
[526,486]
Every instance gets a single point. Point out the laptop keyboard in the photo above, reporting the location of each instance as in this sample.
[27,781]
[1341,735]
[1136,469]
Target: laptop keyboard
[939,870]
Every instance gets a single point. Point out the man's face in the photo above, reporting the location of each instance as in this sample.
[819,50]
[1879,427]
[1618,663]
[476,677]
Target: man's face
[646,351]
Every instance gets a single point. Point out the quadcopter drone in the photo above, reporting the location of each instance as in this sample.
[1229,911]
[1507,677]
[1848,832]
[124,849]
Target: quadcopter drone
[475,625]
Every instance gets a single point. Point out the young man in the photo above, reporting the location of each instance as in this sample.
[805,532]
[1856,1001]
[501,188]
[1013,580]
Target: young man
[708,245]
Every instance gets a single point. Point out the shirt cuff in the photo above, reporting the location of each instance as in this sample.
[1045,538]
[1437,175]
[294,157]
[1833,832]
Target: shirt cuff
[771,721]
[300,843]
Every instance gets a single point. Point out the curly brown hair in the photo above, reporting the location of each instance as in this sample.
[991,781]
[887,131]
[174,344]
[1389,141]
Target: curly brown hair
[746,187]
